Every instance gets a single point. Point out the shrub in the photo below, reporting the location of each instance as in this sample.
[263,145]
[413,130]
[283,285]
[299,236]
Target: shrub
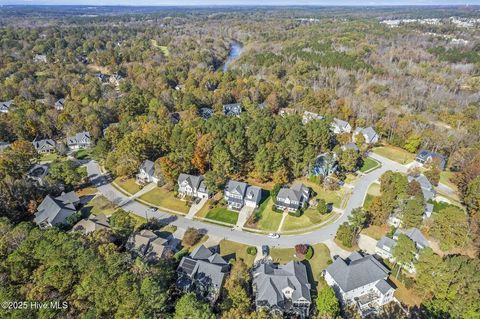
[191,237]
[309,253]
[301,249]
[296,213]
[182,253]
[252,250]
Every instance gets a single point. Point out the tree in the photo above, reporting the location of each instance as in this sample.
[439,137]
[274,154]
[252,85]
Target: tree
[327,302]
[414,188]
[348,160]
[412,143]
[404,251]
[380,209]
[359,140]
[122,224]
[191,237]
[450,228]
[237,285]
[472,196]
[322,207]
[66,173]
[345,234]
[412,212]
[433,174]
[188,307]
[357,220]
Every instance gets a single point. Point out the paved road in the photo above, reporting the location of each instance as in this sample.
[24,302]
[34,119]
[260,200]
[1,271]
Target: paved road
[323,234]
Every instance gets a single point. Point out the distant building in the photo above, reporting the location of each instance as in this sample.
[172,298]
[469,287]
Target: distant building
[234,109]
[55,211]
[239,194]
[149,246]
[340,126]
[148,174]
[38,173]
[40,58]
[115,79]
[427,188]
[282,289]
[371,137]
[192,185]
[5,106]
[425,156]
[103,78]
[91,224]
[202,272]
[79,140]
[205,113]
[60,104]
[360,280]
[292,198]
[310,116]
[3,146]
[286,111]
[44,146]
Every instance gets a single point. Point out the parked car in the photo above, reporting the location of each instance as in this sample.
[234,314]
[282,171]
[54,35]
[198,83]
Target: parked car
[153,209]
[274,235]
[265,250]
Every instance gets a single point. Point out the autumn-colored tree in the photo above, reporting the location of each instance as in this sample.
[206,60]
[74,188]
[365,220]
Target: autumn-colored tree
[202,152]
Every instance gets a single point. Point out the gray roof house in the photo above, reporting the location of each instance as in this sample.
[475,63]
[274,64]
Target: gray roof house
[91,224]
[147,173]
[192,185]
[282,289]
[350,146]
[234,109]
[371,137]
[5,106]
[55,211]
[239,194]
[4,146]
[414,234]
[361,280]
[60,104]
[205,113]
[203,272]
[149,246]
[44,146]
[292,198]
[427,187]
[425,156]
[310,116]
[79,140]
[340,126]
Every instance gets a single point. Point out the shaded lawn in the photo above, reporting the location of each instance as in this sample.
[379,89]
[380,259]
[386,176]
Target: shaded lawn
[369,164]
[374,189]
[309,218]
[99,205]
[83,154]
[376,232]
[439,206]
[269,220]
[333,197]
[233,250]
[161,197]
[404,295]
[445,178]
[128,184]
[368,199]
[50,157]
[395,154]
[223,215]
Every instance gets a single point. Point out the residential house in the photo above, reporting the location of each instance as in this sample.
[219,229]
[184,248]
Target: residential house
[40,58]
[425,156]
[239,194]
[192,185]
[234,109]
[44,146]
[371,137]
[103,78]
[5,106]
[350,146]
[286,111]
[115,79]
[263,105]
[205,113]
[148,174]
[149,246]
[38,173]
[282,289]
[340,126]
[427,188]
[91,224]
[292,198]
[79,140]
[60,104]
[325,165]
[360,280]
[3,146]
[310,116]
[55,211]
[203,272]
[428,210]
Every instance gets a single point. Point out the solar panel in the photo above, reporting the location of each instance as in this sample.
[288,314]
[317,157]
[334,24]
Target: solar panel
[188,265]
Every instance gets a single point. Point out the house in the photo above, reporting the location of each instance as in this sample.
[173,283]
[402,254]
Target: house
[371,137]
[44,146]
[147,173]
[310,116]
[40,58]
[340,126]
[425,156]
[79,140]
[350,146]
[286,111]
[60,104]
[192,185]
[149,246]
[239,194]
[360,280]
[205,113]
[38,173]
[5,106]
[3,146]
[427,188]
[428,210]
[103,78]
[55,211]
[115,79]
[91,224]
[325,165]
[203,272]
[263,105]
[414,234]
[292,198]
[234,109]
[282,289]
[175,117]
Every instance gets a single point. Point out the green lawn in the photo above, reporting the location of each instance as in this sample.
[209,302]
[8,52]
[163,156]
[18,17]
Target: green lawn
[99,205]
[83,154]
[128,184]
[230,249]
[369,165]
[333,197]
[269,220]
[49,157]
[223,215]
[368,200]
[161,197]
[374,189]
[445,178]
[395,154]
[309,218]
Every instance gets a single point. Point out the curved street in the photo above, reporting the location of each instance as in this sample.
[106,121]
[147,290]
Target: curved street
[324,234]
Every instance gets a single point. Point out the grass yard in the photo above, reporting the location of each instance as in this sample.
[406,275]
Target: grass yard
[233,250]
[394,153]
[376,232]
[269,220]
[374,189]
[351,178]
[127,184]
[333,197]
[161,197]
[83,154]
[404,295]
[367,201]
[309,218]
[223,215]
[99,205]
[445,177]
[86,191]
[49,157]
[369,164]
[139,221]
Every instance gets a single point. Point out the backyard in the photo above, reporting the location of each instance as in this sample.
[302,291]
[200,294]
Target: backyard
[446,177]
[230,249]
[369,164]
[394,153]
[49,157]
[163,198]
[128,185]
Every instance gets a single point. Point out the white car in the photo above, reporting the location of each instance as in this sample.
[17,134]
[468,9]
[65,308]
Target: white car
[273,235]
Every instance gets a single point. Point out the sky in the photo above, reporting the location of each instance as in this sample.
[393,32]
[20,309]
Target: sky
[237,2]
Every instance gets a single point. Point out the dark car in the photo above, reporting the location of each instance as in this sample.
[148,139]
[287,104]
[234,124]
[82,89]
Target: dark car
[265,250]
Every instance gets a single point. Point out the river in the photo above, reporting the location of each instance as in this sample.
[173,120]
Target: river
[236,49]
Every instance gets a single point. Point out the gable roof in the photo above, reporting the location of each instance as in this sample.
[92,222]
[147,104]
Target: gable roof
[356,271]
[340,123]
[201,252]
[425,155]
[253,193]
[79,138]
[386,242]
[148,167]
[5,106]
[46,144]
[92,223]
[60,104]
[232,109]
[205,113]
[414,234]
[55,210]
[427,187]
[295,192]
[236,187]
[350,146]
[191,180]
[310,116]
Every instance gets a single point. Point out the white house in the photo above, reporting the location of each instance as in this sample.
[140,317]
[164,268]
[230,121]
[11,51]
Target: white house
[360,280]
[60,104]
[371,137]
[310,116]
[5,106]
[191,185]
[340,126]
[239,194]
[292,198]
[147,173]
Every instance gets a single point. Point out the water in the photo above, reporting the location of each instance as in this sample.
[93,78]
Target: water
[235,50]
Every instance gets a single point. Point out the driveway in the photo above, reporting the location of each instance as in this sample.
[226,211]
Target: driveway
[367,243]
[243,216]
[195,208]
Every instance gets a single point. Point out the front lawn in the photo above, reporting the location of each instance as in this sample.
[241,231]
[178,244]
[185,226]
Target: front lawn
[127,184]
[394,153]
[374,189]
[333,197]
[83,154]
[99,205]
[49,157]
[309,218]
[223,215]
[161,197]
[233,250]
[376,232]
[268,219]
[369,164]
